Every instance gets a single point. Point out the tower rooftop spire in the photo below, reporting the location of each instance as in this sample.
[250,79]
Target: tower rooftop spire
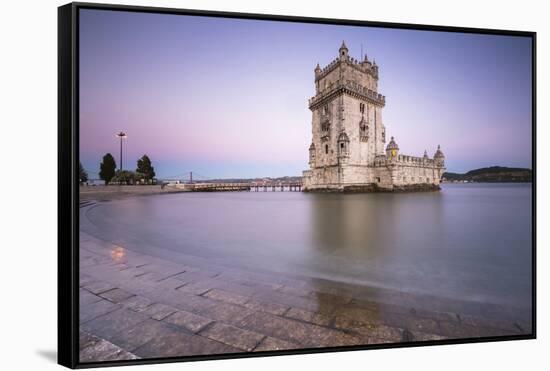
[343,45]
[439,154]
[343,51]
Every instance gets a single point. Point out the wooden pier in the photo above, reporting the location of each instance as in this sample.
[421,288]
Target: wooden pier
[238,187]
[276,187]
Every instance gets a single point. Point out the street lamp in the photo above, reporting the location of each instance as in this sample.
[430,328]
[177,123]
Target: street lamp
[121,135]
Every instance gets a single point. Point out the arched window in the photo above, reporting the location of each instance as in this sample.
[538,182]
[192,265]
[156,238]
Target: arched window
[312,153]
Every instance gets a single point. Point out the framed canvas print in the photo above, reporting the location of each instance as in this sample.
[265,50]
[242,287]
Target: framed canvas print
[237,185]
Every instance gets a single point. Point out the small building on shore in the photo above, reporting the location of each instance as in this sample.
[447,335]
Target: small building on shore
[348,150]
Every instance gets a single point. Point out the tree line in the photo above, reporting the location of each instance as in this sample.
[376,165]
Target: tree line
[144,172]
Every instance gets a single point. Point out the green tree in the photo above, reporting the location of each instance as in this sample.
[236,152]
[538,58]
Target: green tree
[82,174]
[144,167]
[107,168]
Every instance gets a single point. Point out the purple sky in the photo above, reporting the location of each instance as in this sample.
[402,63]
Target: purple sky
[228,98]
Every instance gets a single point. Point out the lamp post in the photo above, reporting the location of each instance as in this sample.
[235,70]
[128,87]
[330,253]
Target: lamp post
[121,135]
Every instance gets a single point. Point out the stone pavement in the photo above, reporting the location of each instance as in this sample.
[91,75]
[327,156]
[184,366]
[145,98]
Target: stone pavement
[134,305]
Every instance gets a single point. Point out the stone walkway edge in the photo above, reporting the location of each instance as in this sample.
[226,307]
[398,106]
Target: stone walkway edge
[134,305]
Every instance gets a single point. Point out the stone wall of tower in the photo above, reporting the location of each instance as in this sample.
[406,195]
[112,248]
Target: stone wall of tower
[361,73]
[406,171]
[344,115]
[325,177]
[327,80]
[323,140]
[363,152]
[387,175]
[355,174]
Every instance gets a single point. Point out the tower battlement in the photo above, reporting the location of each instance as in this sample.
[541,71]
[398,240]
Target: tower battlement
[344,60]
[364,66]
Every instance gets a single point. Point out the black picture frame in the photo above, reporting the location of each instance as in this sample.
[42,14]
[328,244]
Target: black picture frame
[68,187]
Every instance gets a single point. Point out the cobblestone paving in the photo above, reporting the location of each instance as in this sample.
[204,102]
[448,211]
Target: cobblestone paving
[139,306]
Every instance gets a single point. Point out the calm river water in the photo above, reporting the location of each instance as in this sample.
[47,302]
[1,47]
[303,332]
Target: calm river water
[469,241]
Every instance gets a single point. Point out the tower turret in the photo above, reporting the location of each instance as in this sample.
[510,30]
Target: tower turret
[317,70]
[366,63]
[343,51]
[375,68]
[439,157]
[392,150]
[312,154]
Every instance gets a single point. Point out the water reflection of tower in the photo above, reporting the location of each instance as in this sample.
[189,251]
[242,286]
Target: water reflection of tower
[346,225]
[389,240]
[378,231]
[347,231]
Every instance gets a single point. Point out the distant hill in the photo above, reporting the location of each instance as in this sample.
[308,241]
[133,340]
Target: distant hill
[493,174]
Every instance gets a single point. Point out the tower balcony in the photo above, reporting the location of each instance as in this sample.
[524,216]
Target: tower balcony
[347,87]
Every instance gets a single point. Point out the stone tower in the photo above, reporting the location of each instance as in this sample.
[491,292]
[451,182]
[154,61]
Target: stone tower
[347,126]
[348,135]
